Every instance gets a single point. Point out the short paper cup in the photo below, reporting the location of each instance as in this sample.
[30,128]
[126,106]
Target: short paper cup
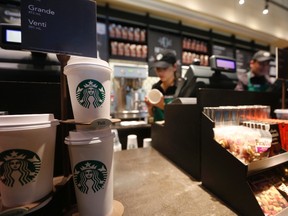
[154,96]
[27,144]
[89,87]
[91,156]
[281,113]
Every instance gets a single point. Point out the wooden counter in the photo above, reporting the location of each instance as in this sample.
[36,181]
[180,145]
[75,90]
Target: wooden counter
[146,183]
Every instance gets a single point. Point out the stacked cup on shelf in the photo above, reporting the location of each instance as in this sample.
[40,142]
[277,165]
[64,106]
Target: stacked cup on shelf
[91,145]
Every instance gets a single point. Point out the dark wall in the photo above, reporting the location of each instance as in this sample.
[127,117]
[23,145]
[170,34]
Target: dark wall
[31,85]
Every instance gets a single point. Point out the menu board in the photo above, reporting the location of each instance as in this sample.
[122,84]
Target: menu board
[282,63]
[222,51]
[102,41]
[67,27]
[243,58]
[158,41]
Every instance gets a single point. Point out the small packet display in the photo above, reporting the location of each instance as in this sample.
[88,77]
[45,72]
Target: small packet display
[269,198]
[244,143]
[279,183]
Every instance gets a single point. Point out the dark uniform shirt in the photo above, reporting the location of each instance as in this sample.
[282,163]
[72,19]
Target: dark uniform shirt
[170,91]
[248,81]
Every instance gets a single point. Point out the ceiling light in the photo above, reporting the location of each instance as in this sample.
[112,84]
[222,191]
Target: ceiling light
[266,10]
[241,2]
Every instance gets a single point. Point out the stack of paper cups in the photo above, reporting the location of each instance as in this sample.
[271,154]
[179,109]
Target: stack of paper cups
[91,148]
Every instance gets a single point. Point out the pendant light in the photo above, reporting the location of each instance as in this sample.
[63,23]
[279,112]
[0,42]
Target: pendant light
[266,8]
[241,2]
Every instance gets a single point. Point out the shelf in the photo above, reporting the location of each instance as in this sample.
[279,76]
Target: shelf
[119,40]
[258,166]
[195,51]
[127,58]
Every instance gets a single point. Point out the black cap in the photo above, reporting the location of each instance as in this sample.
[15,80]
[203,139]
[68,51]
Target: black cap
[164,59]
[262,56]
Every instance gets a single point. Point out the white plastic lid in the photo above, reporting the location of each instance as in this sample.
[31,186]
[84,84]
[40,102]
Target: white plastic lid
[78,60]
[88,137]
[12,122]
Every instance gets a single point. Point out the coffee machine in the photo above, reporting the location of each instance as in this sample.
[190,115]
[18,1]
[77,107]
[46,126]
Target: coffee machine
[127,92]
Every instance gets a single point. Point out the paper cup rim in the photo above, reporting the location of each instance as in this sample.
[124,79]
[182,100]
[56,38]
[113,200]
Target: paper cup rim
[68,67]
[282,111]
[154,90]
[90,141]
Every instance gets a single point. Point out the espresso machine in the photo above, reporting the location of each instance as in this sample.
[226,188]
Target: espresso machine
[127,97]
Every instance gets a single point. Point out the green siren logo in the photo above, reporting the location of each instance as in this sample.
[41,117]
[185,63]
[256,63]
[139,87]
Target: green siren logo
[19,166]
[90,175]
[90,93]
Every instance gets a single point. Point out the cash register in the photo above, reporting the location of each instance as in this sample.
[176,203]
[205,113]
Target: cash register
[220,75]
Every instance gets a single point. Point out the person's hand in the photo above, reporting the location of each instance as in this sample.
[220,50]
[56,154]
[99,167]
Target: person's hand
[149,106]
[161,103]
[147,102]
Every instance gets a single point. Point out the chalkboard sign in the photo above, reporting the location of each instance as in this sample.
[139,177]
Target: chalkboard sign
[102,41]
[67,27]
[222,51]
[282,63]
[158,41]
[243,58]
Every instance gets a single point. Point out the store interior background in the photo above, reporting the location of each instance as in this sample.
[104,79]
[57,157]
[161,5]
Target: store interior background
[224,17]
[30,83]
[34,80]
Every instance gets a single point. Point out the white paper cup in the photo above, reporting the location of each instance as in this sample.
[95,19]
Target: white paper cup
[154,96]
[147,142]
[89,82]
[27,145]
[91,157]
[132,142]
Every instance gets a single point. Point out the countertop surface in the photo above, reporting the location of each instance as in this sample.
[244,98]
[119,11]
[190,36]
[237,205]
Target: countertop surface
[147,183]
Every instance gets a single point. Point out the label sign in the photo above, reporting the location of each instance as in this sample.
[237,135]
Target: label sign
[243,58]
[222,51]
[281,63]
[67,27]
[158,41]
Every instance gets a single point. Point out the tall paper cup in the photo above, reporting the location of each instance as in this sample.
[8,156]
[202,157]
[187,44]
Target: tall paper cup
[27,144]
[91,156]
[89,82]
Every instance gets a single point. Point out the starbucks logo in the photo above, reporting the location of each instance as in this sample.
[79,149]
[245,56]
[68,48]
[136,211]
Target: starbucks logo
[18,166]
[90,176]
[90,93]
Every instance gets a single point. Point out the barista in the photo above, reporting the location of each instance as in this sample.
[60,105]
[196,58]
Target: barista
[165,66]
[257,78]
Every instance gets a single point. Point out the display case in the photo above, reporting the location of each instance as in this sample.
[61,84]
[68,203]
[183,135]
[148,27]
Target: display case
[228,178]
